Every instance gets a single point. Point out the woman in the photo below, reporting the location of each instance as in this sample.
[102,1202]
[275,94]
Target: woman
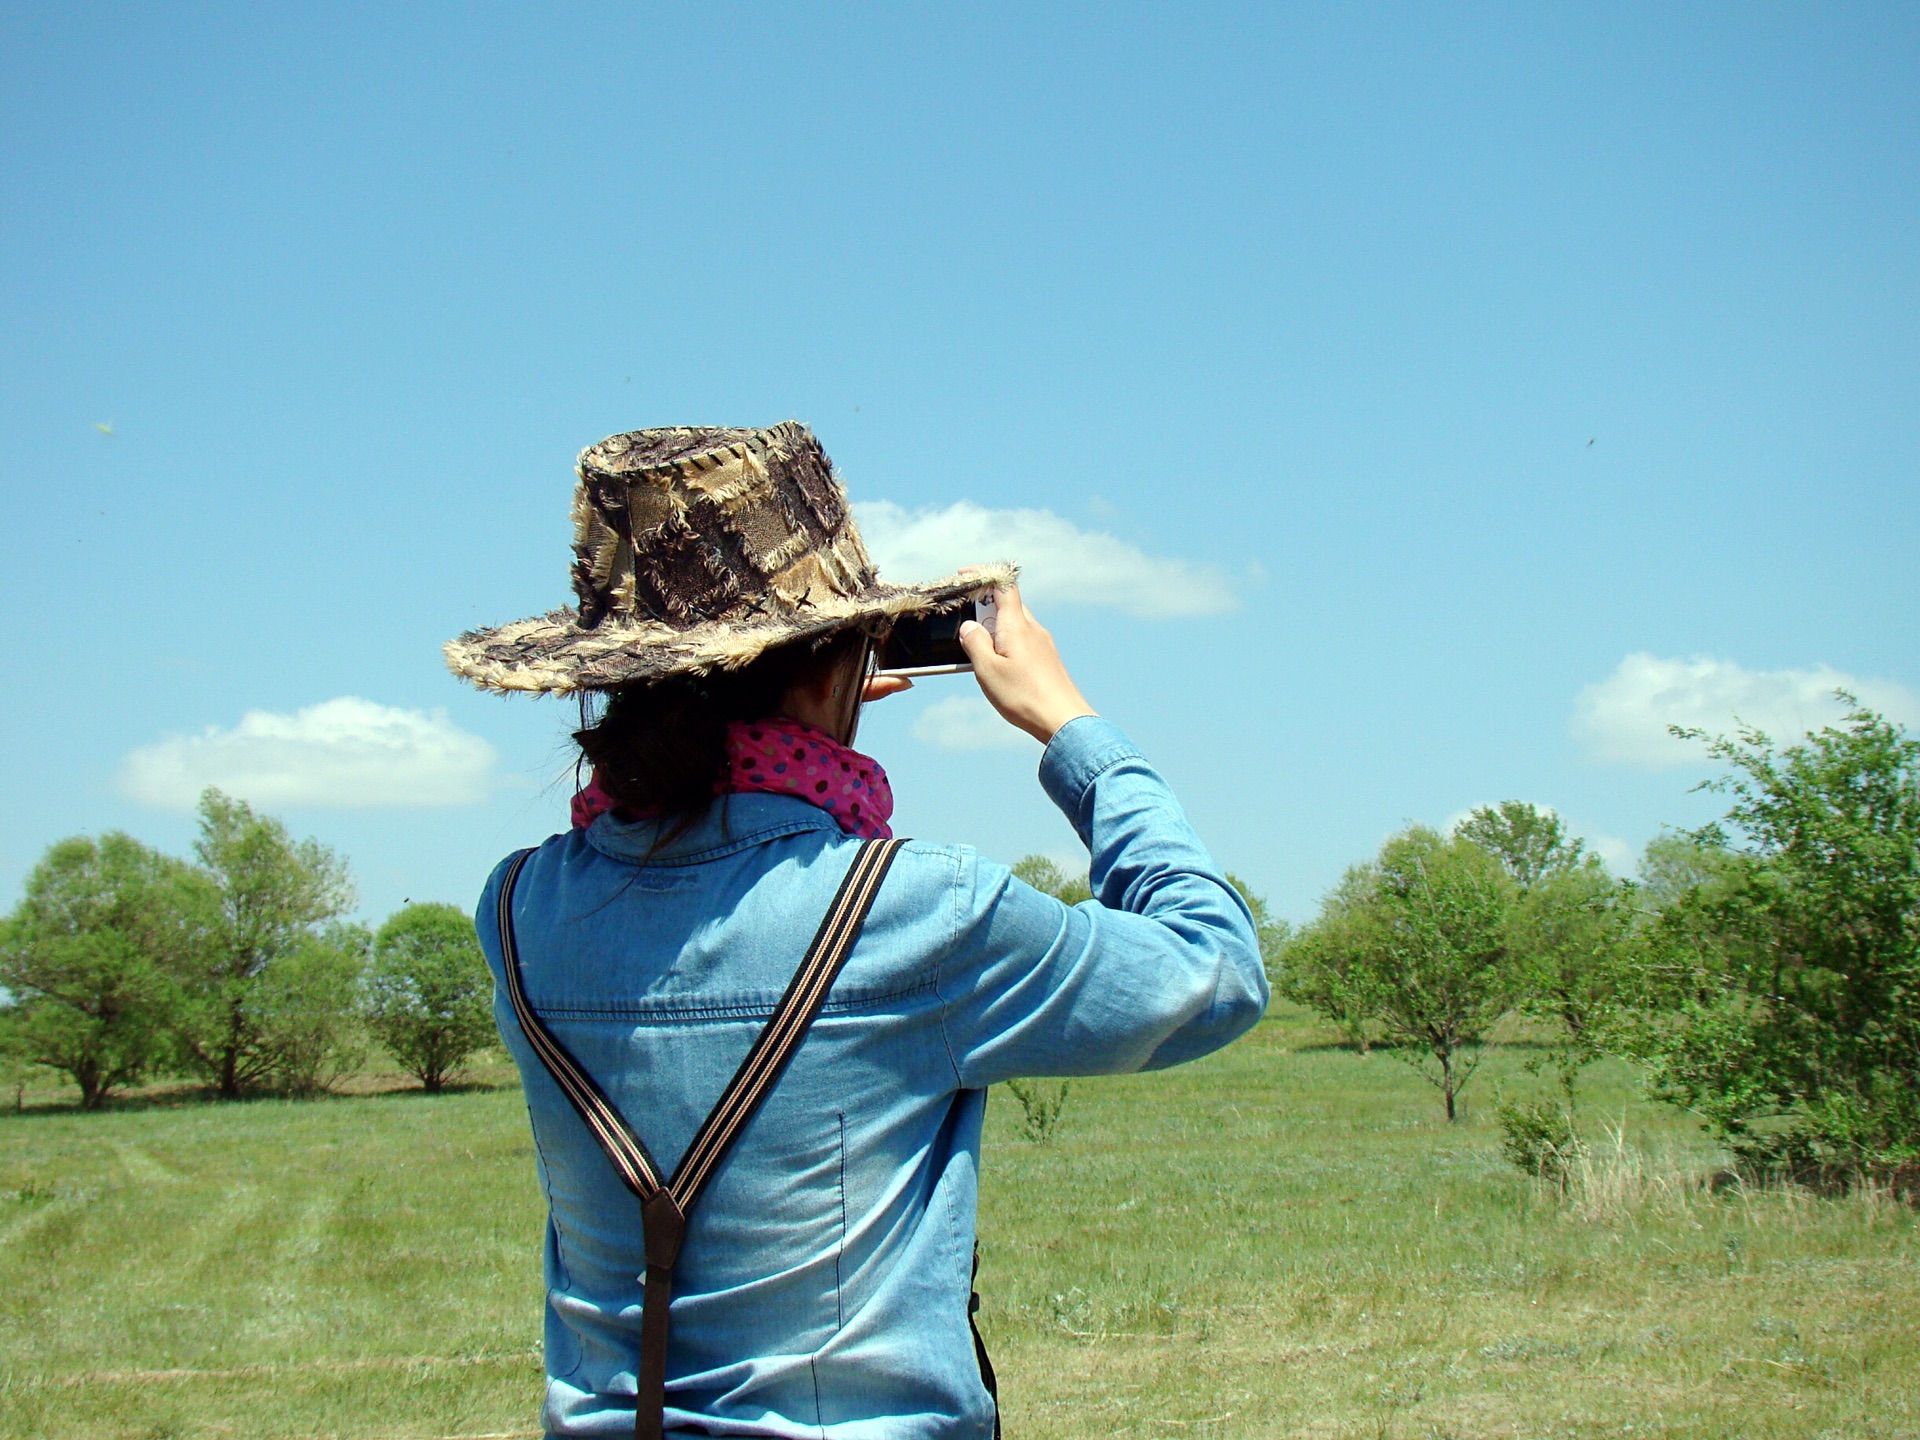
[797,1262]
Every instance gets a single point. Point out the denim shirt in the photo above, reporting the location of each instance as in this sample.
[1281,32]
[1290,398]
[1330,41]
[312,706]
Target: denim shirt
[823,1286]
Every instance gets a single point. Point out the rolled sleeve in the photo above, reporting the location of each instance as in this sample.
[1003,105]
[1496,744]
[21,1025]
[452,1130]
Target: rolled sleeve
[1080,750]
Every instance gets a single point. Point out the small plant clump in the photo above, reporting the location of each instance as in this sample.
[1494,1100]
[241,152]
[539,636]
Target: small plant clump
[1539,1138]
[1040,1107]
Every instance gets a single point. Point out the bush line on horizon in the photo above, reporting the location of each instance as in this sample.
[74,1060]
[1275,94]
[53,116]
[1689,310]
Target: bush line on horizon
[1763,972]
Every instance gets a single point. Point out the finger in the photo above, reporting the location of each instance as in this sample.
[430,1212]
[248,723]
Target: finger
[879,687]
[978,644]
[1007,599]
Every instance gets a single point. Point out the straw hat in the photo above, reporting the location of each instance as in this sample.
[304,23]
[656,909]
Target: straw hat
[696,549]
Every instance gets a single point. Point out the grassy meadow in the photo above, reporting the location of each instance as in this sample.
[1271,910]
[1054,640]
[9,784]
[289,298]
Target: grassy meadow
[1284,1240]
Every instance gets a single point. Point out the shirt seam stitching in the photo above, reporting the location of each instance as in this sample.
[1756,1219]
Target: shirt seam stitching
[840,1250]
[721,851]
[754,1010]
[1097,767]
[1107,764]
[939,966]
[565,1277]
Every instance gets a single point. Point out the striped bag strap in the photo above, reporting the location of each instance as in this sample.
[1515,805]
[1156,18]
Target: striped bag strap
[631,1160]
[665,1204]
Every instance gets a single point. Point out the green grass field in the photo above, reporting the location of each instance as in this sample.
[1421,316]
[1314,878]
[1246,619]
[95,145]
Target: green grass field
[1286,1239]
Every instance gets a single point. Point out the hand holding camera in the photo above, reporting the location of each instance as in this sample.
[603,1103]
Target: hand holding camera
[1020,671]
[1009,652]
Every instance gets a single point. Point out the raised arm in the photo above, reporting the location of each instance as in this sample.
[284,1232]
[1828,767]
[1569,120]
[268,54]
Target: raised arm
[1160,967]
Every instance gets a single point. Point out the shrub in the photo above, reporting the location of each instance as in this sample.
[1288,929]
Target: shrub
[429,992]
[275,896]
[1040,1107]
[1417,942]
[89,954]
[1784,994]
[304,1012]
[1540,1139]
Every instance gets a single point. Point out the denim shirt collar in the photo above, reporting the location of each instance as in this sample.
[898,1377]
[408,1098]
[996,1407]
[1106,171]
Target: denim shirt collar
[732,823]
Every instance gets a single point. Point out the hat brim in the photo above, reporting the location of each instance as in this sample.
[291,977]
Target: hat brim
[551,655]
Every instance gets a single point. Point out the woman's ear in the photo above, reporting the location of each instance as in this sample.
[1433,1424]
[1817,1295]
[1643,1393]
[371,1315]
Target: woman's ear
[818,697]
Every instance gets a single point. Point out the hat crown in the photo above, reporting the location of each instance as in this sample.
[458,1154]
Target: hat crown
[696,549]
[696,525]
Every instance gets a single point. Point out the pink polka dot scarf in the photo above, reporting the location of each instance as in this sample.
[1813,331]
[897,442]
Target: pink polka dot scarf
[786,757]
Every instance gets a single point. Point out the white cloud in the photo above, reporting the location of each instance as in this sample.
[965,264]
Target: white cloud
[967,722]
[1058,561]
[346,753]
[1625,717]
[1621,857]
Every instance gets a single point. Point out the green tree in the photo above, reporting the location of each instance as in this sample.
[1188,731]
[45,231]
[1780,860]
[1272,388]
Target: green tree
[1567,928]
[276,896]
[1423,934]
[1574,960]
[88,956]
[1789,1009]
[1681,949]
[1530,843]
[17,1068]
[1046,876]
[1272,931]
[429,992]
[1325,967]
[1679,864]
[305,1010]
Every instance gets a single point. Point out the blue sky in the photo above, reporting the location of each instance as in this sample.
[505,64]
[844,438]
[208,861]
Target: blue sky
[1394,409]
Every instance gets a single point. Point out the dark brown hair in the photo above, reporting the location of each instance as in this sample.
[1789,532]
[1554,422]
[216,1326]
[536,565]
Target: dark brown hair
[660,747]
